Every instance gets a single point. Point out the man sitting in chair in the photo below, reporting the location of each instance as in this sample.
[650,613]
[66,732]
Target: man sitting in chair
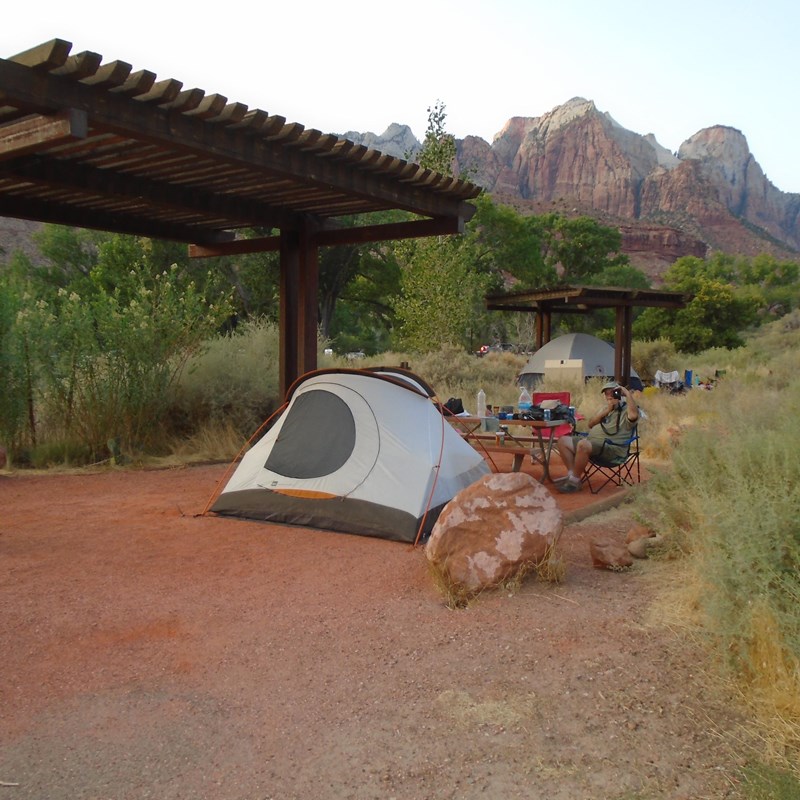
[610,430]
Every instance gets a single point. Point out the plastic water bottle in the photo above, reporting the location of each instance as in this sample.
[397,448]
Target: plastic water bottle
[481,403]
[524,403]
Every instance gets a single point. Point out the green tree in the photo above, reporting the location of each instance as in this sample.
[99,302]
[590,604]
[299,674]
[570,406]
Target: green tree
[507,243]
[93,340]
[441,289]
[579,248]
[69,253]
[715,317]
[362,276]
[364,317]
[438,151]
[14,362]
[107,358]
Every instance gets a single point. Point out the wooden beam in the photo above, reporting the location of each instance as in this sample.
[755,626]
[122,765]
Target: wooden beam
[340,236]
[49,55]
[163,92]
[392,231]
[263,244]
[136,84]
[102,220]
[115,73]
[107,183]
[80,66]
[35,133]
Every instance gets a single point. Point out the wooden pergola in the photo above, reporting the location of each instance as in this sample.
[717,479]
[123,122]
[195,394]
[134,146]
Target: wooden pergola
[98,145]
[585,300]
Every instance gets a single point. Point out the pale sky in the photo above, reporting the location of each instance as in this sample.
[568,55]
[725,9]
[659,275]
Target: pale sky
[669,69]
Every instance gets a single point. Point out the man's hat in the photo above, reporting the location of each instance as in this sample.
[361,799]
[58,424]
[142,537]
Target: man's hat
[610,385]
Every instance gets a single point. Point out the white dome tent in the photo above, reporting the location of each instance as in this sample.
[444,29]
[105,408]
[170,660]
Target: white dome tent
[597,359]
[357,451]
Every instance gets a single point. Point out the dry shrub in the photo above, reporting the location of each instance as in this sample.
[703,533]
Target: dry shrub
[234,378]
[649,357]
[772,689]
[730,503]
[214,440]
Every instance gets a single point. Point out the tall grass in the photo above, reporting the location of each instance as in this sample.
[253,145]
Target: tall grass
[729,506]
[232,382]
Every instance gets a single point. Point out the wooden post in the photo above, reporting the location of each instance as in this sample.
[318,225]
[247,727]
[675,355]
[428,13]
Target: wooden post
[299,309]
[627,366]
[308,309]
[544,319]
[289,302]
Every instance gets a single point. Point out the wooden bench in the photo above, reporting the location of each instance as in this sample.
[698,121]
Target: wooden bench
[518,452]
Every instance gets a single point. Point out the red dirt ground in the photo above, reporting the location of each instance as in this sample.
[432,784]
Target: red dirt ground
[149,652]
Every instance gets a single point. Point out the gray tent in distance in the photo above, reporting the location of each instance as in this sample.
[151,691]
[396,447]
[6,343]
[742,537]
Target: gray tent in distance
[597,357]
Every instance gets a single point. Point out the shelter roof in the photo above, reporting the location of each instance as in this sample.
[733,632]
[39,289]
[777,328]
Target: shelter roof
[584,299]
[99,145]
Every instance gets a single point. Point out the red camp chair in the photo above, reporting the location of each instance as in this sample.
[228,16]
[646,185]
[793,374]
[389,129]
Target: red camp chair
[564,399]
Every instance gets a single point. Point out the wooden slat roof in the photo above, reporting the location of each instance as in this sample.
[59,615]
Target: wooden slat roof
[585,299]
[99,145]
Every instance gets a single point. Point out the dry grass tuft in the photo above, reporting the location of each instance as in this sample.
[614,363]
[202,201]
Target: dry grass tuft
[455,594]
[773,690]
[551,569]
[213,441]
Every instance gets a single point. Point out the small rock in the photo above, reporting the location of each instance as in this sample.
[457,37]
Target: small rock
[638,548]
[608,554]
[638,531]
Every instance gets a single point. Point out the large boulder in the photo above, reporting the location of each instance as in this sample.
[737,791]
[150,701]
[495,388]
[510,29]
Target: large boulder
[493,528]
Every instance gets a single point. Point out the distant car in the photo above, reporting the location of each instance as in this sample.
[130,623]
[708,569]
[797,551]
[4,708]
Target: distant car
[352,356]
[497,347]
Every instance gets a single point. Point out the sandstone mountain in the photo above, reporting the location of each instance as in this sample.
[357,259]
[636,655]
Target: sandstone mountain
[710,195]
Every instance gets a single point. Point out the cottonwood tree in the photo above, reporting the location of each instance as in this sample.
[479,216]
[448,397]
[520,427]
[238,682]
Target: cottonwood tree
[441,290]
[715,317]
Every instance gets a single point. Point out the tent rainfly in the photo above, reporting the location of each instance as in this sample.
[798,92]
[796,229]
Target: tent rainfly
[597,357]
[356,451]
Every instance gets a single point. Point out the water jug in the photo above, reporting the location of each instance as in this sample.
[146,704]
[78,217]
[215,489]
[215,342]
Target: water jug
[481,403]
[524,403]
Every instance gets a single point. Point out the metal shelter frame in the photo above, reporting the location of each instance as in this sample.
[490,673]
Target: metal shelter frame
[584,300]
[98,145]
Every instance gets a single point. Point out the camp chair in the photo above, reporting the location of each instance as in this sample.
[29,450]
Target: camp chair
[564,399]
[623,471]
